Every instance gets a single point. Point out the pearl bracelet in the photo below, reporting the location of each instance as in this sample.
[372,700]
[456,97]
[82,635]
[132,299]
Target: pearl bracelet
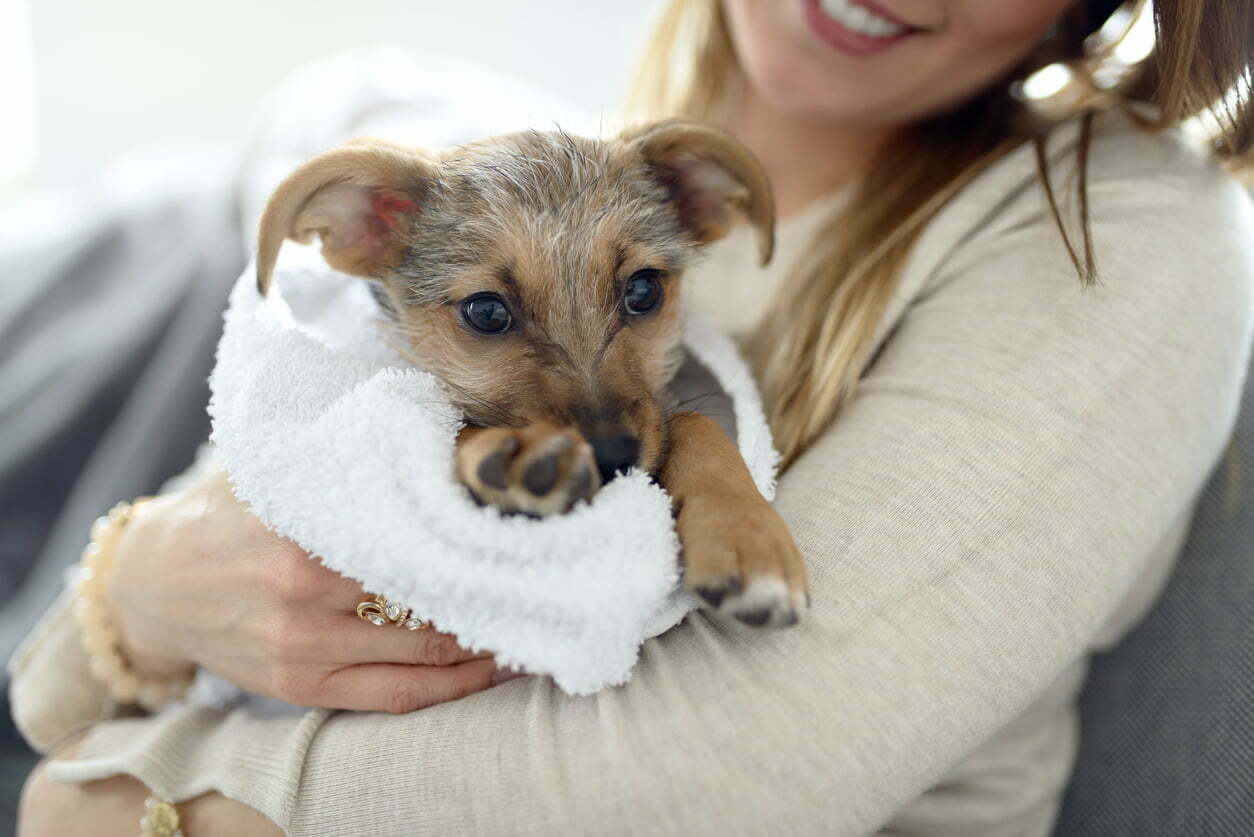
[161,819]
[100,638]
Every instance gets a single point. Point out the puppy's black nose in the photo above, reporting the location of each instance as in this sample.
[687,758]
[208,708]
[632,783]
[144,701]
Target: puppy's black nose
[614,454]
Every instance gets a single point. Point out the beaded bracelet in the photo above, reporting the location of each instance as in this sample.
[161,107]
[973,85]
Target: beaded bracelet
[161,819]
[99,636]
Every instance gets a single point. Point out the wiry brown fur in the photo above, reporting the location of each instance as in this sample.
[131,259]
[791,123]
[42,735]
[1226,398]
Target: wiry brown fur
[556,225]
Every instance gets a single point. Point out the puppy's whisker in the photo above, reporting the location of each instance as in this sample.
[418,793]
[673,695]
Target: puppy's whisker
[494,414]
[698,396]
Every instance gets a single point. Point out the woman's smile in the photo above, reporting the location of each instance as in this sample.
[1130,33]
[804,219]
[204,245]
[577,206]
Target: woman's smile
[856,28]
[879,63]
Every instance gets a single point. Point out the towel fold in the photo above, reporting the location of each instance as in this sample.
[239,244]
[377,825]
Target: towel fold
[336,444]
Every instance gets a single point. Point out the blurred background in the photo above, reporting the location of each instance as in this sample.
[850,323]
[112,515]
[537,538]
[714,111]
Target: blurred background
[106,103]
[84,81]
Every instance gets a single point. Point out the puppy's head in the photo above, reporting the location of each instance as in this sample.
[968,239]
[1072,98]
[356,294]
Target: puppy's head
[537,274]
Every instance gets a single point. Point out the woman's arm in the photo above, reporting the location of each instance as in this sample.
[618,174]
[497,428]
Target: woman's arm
[1019,451]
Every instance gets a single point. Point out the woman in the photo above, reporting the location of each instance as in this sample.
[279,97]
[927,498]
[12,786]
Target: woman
[999,365]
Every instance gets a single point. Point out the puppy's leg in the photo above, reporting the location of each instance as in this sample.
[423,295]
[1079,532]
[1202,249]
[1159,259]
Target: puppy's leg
[739,555]
[536,470]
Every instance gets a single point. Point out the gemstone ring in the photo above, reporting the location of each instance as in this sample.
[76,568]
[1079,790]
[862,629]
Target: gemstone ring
[377,610]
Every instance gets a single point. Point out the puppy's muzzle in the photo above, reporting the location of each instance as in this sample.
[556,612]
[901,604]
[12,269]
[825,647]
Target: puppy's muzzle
[614,454]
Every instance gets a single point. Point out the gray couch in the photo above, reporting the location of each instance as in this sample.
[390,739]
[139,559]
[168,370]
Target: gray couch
[1167,741]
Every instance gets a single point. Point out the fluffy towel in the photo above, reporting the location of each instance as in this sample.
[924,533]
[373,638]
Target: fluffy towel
[338,445]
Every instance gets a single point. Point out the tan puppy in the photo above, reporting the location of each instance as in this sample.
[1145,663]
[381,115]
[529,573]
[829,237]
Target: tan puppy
[537,274]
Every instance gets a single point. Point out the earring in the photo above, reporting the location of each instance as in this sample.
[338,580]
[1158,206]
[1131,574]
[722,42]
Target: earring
[1113,58]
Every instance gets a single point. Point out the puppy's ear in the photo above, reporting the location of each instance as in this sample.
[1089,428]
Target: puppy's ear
[359,199]
[713,177]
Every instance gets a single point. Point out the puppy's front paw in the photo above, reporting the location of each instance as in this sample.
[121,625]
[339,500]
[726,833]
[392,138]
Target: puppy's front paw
[536,470]
[742,561]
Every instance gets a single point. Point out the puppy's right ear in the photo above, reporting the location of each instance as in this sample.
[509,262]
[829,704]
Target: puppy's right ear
[712,178]
[360,199]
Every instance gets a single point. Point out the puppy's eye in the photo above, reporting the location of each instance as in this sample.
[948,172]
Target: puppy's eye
[643,291]
[486,313]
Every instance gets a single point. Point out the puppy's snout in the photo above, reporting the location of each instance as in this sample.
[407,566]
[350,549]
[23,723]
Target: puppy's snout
[614,454]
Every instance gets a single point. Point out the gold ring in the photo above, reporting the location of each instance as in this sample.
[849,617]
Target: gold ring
[377,610]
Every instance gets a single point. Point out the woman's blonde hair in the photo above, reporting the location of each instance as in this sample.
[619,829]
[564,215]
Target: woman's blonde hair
[809,363]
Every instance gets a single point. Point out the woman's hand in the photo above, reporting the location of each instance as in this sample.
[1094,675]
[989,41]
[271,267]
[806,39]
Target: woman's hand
[198,580]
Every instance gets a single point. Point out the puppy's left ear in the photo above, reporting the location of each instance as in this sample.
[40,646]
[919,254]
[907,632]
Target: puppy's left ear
[712,177]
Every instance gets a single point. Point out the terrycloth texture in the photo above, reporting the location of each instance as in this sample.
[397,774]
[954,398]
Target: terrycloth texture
[1007,491]
[335,444]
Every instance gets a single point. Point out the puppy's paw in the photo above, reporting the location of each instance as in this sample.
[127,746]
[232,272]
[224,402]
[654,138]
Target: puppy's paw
[742,561]
[536,470]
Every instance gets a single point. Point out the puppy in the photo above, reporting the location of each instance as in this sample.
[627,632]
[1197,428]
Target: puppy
[538,276]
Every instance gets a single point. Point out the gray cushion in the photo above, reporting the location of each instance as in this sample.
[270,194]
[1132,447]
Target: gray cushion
[107,329]
[1167,740]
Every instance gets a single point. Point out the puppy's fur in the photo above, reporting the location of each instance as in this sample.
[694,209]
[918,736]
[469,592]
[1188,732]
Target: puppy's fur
[565,237]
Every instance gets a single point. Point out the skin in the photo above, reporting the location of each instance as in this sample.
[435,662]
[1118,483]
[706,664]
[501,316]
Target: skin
[112,808]
[812,115]
[815,115]
[290,622]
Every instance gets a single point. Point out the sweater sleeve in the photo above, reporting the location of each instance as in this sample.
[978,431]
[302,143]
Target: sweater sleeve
[1016,455]
[51,691]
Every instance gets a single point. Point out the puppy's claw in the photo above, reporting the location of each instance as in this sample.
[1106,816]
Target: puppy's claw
[767,602]
[714,593]
[741,560]
[754,618]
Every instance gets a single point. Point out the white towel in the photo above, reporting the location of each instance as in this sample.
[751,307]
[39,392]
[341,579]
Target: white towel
[339,446]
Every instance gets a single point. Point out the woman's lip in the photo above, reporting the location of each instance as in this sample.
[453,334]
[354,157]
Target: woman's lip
[846,40]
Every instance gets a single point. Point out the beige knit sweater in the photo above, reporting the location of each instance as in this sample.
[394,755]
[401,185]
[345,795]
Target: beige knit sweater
[1005,493]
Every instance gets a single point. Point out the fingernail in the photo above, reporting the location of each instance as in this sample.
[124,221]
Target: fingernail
[503,674]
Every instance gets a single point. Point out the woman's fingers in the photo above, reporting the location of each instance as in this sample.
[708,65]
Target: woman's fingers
[359,641]
[384,687]
[362,642]
[305,587]
[310,587]
[321,612]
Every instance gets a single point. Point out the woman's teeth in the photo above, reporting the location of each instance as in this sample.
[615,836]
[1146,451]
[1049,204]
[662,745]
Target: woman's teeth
[860,19]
